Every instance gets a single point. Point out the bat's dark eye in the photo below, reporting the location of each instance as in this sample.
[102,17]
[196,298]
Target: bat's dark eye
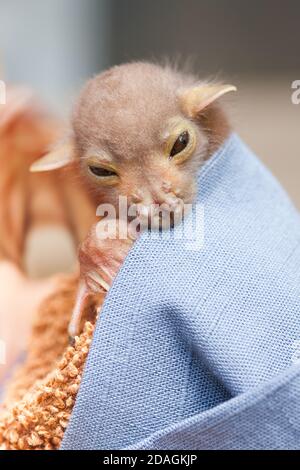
[101,172]
[180,143]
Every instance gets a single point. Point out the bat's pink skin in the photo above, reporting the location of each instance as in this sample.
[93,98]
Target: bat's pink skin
[100,260]
[139,131]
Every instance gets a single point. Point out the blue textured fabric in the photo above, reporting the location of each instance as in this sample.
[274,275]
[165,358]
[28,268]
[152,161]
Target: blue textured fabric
[193,348]
[264,418]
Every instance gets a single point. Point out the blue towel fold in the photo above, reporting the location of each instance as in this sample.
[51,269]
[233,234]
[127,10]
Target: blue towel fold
[196,337]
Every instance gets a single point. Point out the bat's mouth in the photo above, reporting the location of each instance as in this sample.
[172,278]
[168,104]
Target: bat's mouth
[160,217]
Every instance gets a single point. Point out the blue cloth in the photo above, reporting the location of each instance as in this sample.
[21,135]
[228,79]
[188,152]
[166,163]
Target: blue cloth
[194,345]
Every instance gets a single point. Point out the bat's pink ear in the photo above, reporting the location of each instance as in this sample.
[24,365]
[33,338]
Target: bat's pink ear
[57,158]
[195,99]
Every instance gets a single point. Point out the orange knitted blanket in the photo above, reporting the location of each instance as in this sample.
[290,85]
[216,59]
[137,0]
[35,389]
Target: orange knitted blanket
[41,395]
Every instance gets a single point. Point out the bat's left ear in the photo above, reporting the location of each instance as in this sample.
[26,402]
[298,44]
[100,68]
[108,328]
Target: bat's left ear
[57,158]
[195,99]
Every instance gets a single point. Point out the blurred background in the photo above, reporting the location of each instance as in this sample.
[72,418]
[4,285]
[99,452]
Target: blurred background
[54,45]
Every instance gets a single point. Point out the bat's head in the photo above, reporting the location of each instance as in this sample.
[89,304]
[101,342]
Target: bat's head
[142,131]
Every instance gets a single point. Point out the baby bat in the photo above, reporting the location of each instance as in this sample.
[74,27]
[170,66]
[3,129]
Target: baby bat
[140,131]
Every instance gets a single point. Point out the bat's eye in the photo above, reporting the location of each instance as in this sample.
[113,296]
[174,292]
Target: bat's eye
[180,144]
[101,172]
